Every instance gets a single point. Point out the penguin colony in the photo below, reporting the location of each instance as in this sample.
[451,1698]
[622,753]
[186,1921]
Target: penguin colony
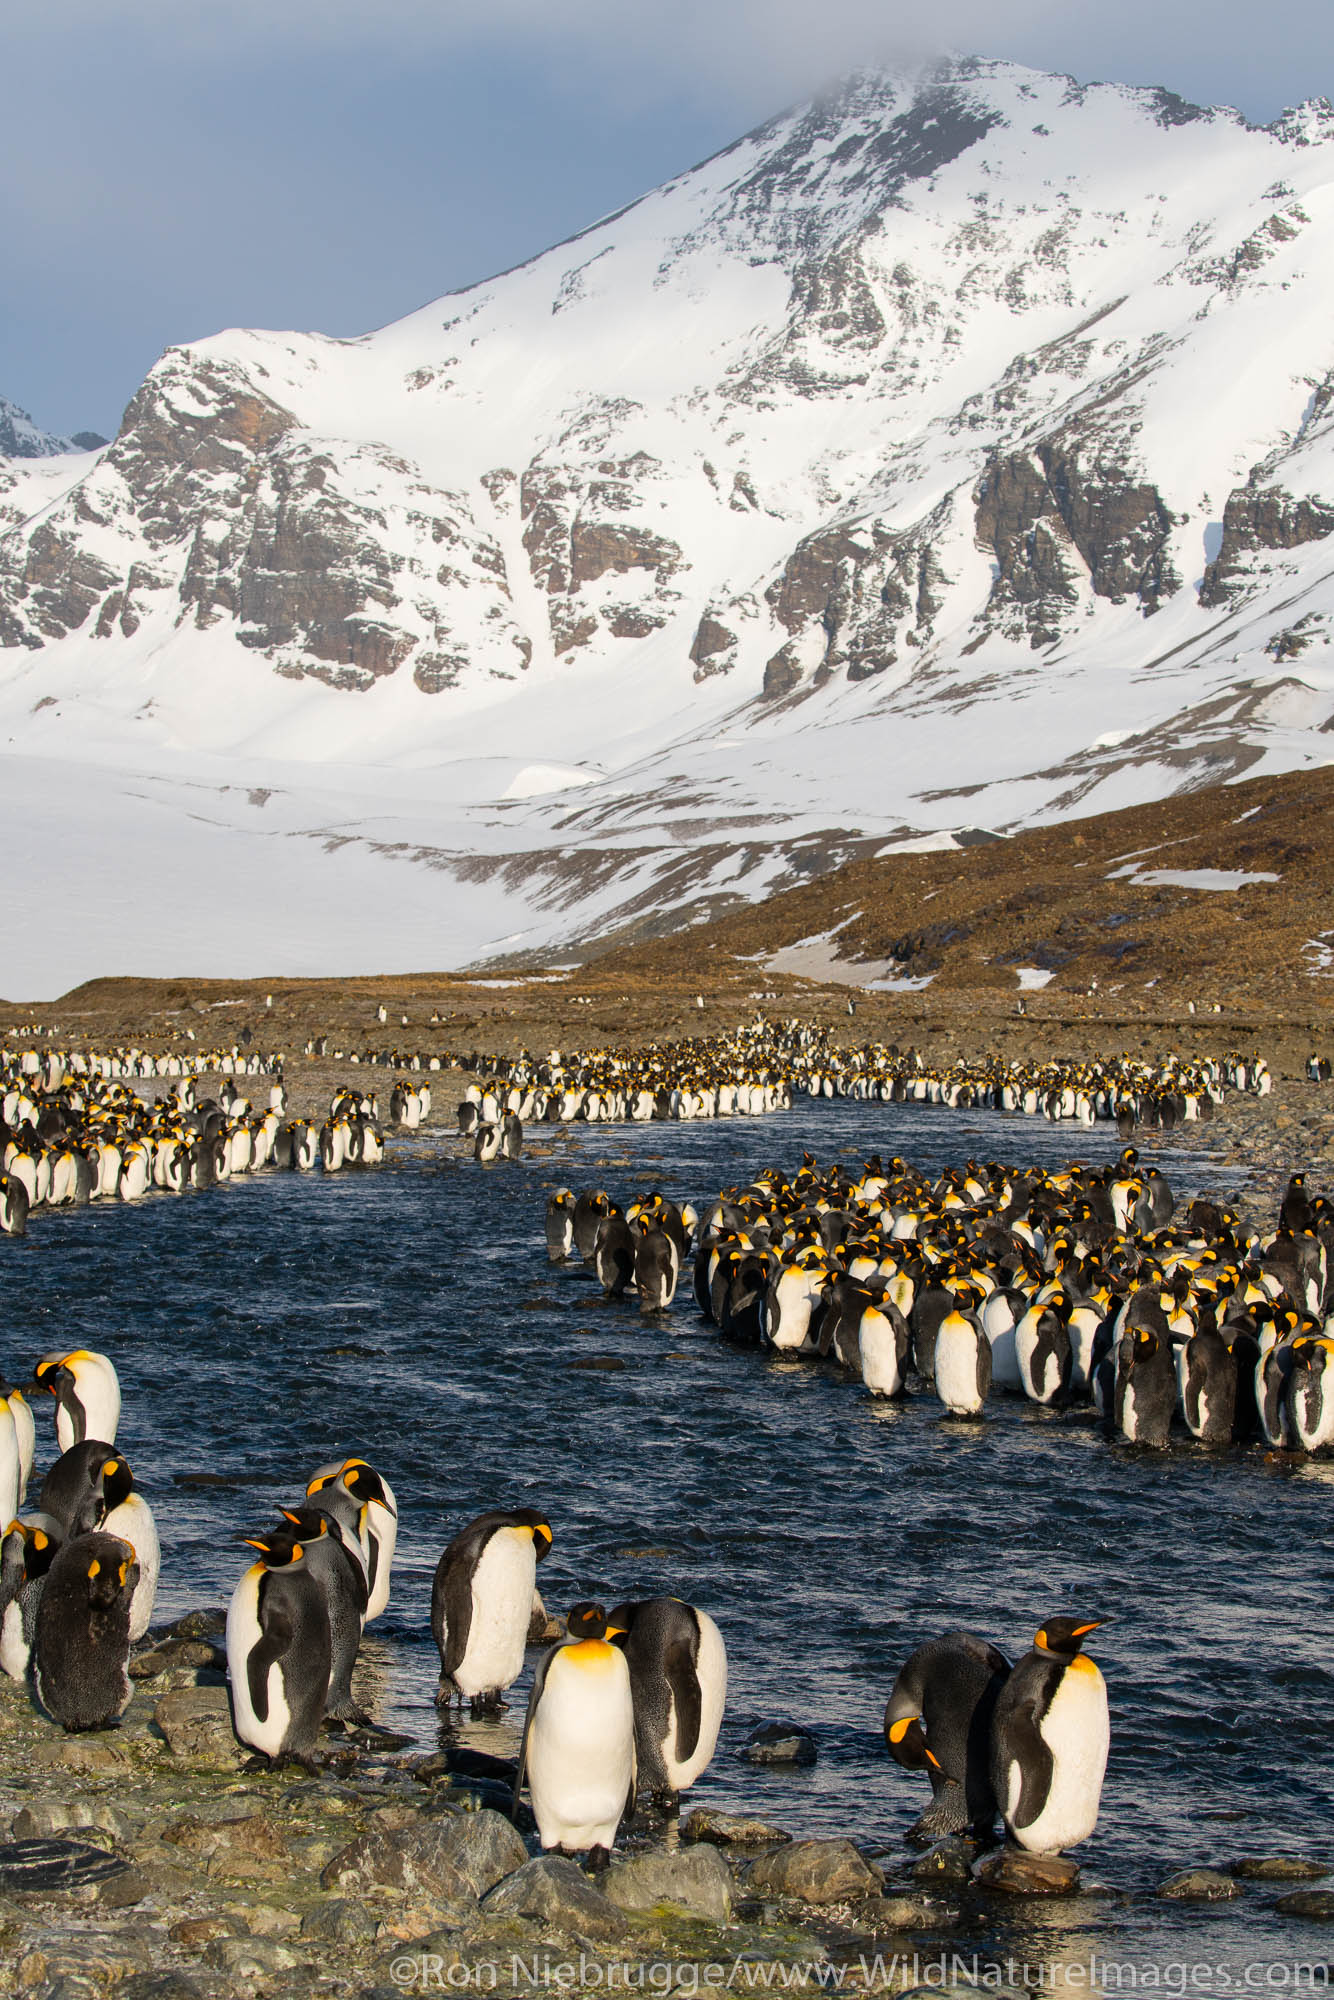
[71,1132]
[1080,1286]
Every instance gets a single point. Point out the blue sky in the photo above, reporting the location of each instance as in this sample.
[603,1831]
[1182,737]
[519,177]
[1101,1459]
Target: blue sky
[168,170]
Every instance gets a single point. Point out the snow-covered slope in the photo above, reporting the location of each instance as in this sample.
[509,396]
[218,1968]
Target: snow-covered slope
[956,451]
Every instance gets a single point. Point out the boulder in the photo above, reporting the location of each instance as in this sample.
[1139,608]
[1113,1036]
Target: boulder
[778,1743]
[340,1920]
[695,1879]
[949,1861]
[418,1857]
[197,1723]
[1277,1868]
[1316,1905]
[1198,1885]
[552,1891]
[1017,1873]
[814,1871]
[34,1866]
[731,1830]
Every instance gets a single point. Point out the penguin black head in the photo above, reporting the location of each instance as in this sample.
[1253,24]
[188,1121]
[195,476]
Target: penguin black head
[117,1480]
[590,1621]
[1065,1636]
[279,1549]
[111,1570]
[908,1745]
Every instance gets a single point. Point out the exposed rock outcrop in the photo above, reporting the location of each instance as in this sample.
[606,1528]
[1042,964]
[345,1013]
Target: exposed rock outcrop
[1260,517]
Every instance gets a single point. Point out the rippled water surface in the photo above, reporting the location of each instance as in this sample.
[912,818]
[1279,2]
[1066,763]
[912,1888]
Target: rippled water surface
[410,1315]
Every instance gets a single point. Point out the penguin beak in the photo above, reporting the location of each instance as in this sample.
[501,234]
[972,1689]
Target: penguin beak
[932,1760]
[1081,1631]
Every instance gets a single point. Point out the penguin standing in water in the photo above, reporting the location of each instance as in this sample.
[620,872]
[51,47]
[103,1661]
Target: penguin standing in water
[560,1226]
[87,1394]
[1146,1386]
[1049,1740]
[1207,1377]
[657,1266]
[81,1639]
[29,1548]
[938,1720]
[579,1739]
[678,1682]
[1311,1393]
[279,1653]
[614,1256]
[1042,1349]
[377,1532]
[486,1145]
[963,1357]
[481,1604]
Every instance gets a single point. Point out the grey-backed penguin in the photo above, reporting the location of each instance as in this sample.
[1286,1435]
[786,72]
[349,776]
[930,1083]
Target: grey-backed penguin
[1311,1393]
[482,1601]
[579,1739]
[938,1720]
[279,1654]
[330,1487]
[614,1256]
[14,1205]
[81,1640]
[1146,1386]
[678,1681]
[486,1143]
[1042,1349]
[1050,1735]
[560,1225]
[1207,1378]
[87,1394]
[27,1551]
[590,1211]
[344,1582]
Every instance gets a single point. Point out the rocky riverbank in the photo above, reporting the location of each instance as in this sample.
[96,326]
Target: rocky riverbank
[149,1863]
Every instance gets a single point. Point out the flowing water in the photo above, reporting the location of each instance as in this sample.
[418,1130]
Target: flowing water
[409,1315]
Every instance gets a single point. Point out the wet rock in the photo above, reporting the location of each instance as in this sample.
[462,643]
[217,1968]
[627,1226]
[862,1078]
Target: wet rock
[125,1888]
[209,1623]
[94,1756]
[35,1866]
[543,1629]
[262,1919]
[52,1816]
[731,1829]
[607,1364]
[251,1960]
[228,1841]
[484,1848]
[814,1871]
[186,1657]
[1198,1885]
[89,1964]
[1316,1905]
[696,1880]
[1016,1873]
[1277,1868]
[778,1743]
[552,1891]
[949,1861]
[417,1857]
[193,1933]
[911,1913]
[197,1723]
[342,1920]
[159,1986]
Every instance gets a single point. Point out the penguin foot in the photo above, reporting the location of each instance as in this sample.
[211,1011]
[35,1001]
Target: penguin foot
[668,1803]
[303,1763]
[446,1694]
[599,1860]
[258,1762]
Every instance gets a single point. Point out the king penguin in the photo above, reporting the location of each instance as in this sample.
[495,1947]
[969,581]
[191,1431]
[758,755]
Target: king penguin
[380,1537]
[279,1653]
[81,1642]
[481,1604]
[579,1739]
[938,1719]
[87,1394]
[343,1579]
[29,1548]
[1049,1740]
[962,1366]
[678,1682]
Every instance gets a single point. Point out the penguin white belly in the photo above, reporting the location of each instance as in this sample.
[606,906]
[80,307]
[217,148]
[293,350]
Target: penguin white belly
[711,1674]
[502,1599]
[382,1524]
[956,1371]
[243,1635]
[13,1644]
[879,1349]
[133,1522]
[11,1466]
[581,1747]
[1077,1731]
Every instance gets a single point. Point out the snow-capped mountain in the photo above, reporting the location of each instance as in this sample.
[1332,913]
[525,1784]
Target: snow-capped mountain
[956,451]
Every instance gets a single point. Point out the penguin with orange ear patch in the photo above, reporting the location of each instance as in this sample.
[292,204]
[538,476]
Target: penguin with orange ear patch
[81,1646]
[279,1653]
[1049,1740]
[579,1739]
[938,1720]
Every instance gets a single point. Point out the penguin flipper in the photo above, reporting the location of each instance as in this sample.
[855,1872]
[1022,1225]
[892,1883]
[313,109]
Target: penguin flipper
[683,1681]
[1026,1747]
[275,1636]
